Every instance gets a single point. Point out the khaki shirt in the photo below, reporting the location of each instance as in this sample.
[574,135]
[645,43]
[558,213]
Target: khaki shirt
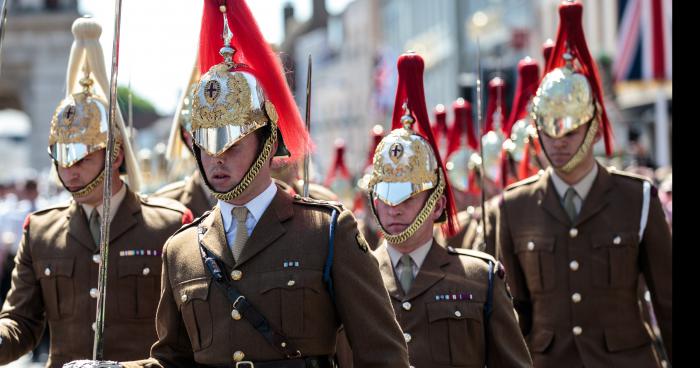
[55,281]
[575,284]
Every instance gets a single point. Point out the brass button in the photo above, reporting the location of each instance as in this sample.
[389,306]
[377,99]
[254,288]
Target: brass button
[291,283]
[530,245]
[573,265]
[236,275]
[617,240]
[96,258]
[577,330]
[407,337]
[458,314]
[183,297]
[238,356]
[406,306]
[576,297]
[573,232]
[235,314]
[94,293]
[47,271]
[146,271]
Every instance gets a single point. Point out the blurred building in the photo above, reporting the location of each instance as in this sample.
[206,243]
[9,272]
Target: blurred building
[343,56]
[34,57]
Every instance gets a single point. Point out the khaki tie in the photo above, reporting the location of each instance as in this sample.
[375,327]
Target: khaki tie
[569,205]
[241,215]
[94,224]
[406,275]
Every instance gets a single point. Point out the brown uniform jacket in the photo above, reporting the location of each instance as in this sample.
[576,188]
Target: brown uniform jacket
[465,220]
[190,192]
[575,284]
[194,315]
[442,316]
[56,270]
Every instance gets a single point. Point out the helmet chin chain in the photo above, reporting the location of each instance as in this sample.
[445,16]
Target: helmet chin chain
[94,183]
[400,238]
[582,151]
[253,171]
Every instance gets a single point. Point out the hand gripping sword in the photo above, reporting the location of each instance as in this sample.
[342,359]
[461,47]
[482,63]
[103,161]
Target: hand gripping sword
[308,128]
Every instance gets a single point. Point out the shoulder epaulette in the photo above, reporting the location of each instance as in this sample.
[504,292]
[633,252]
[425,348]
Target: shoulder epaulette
[498,269]
[193,223]
[318,202]
[57,206]
[163,202]
[526,181]
[170,187]
[630,175]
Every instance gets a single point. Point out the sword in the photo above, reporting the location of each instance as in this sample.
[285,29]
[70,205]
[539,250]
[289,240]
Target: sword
[3,26]
[130,122]
[308,128]
[480,122]
[98,346]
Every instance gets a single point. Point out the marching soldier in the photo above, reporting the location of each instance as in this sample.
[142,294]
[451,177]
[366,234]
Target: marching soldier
[56,272]
[192,191]
[366,222]
[339,180]
[575,238]
[452,304]
[264,279]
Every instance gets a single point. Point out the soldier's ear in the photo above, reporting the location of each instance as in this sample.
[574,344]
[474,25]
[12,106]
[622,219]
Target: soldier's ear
[118,160]
[438,214]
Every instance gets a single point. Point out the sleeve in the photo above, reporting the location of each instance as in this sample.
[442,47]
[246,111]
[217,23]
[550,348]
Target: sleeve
[363,303]
[515,278]
[655,263]
[506,344]
[173,347]
[22,318]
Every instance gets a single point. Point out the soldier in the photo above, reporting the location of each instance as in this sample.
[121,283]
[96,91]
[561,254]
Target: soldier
[56,268]
[264,279]
[452,304]
[575,238]
[367,223]
[339,180]
[192,191]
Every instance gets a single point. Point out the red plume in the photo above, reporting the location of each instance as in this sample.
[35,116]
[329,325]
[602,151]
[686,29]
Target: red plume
[524,168]
[570,33]
[338,163]
[461,124]
[377,135]
[547,48]
[525,88]
[496,89]
[410,91]
[440,124]
[259,59]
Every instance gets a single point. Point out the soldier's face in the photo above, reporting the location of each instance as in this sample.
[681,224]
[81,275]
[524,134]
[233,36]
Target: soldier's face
[84,171]
[561,150]
[227,169]
[396,219]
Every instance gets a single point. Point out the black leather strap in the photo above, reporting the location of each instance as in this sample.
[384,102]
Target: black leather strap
[278,341]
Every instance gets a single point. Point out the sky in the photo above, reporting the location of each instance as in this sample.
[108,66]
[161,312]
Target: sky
[158,40]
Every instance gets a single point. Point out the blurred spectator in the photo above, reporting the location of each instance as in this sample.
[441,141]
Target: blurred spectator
[639,155]
[666,197]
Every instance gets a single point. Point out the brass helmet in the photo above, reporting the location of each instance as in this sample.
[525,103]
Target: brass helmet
[177,154]
[235,98]
[80,122]
[406,162]
[570,96]
[459,150]
[377,135]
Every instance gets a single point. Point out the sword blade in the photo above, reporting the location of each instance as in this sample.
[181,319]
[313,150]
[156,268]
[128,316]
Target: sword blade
[3,26]
[307,157]
[480,121]
[98,343]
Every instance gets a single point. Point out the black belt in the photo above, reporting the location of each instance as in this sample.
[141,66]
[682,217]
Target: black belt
[309,362]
